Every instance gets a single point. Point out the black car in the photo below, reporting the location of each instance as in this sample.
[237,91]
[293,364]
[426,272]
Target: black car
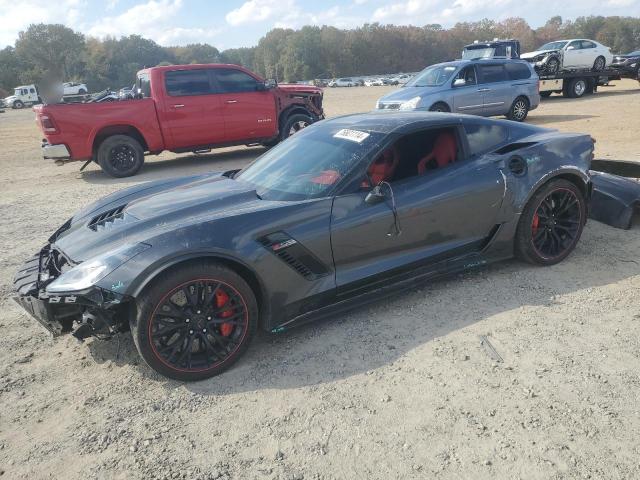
[628,65]
[344,212]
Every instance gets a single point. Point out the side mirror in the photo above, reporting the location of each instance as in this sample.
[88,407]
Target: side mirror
[571,47]
[270,83]
[459,82]
[374,196]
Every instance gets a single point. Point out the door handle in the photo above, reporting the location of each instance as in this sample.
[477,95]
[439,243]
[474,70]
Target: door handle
[232,101]
[180,105]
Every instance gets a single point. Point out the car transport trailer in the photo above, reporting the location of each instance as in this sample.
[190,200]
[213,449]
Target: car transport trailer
[575,83]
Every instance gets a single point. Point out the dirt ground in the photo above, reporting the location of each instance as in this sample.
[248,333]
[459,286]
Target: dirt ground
[400,389]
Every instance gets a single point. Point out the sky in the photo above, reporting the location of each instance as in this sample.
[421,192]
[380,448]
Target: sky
[240,23]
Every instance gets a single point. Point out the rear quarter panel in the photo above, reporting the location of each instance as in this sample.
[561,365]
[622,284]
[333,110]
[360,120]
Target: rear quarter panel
[79,124]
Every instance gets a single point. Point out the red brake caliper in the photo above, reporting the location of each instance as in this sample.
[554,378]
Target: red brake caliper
[221,299]
[534,224]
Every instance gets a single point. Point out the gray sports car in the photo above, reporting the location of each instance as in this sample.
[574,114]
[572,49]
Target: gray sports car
[344,212]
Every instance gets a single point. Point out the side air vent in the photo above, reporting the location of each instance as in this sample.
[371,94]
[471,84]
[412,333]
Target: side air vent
[107,217]
[517,165]
[294,254]
[512,147]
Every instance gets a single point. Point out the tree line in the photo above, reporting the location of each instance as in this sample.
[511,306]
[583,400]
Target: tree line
[56,51]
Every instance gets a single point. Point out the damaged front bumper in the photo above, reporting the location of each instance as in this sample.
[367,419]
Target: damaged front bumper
[93,311]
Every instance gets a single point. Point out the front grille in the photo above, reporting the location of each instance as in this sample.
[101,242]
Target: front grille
[107,217]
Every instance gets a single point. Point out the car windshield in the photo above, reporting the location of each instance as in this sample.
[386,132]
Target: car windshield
[634,54]
[471,53]
[17,92]
[553,45]
[310,163]
[432,76]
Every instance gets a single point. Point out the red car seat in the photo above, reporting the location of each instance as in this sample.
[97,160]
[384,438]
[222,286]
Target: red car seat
[444,152]
[384,166]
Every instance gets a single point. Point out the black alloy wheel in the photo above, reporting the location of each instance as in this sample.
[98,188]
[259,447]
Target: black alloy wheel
[551,223]
[556,223]
[195,321]
[198,325]
[120,156]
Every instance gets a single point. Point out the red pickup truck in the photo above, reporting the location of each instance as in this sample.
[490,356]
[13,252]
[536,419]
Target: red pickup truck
[181,108]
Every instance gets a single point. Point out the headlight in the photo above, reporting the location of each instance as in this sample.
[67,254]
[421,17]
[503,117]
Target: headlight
[411,104]
[378,105]
[633,65]
[91,271]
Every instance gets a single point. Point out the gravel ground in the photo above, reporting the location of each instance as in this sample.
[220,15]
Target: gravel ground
[399,389]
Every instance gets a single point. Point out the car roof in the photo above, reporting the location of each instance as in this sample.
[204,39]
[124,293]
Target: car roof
[387,122]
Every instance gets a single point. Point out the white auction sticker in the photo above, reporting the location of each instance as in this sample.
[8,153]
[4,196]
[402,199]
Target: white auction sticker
[353,135]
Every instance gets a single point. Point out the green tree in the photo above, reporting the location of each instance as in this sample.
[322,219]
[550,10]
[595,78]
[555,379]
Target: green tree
[52,51]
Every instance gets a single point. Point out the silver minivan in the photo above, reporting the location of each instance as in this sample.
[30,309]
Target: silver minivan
[483,87]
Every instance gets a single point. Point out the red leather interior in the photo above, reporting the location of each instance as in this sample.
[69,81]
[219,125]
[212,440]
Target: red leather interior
[444,152]
[384,166]
[326,177]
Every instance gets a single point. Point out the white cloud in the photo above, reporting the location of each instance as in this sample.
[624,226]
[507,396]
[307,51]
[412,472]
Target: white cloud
[153,19]
[256,11]
[16,17]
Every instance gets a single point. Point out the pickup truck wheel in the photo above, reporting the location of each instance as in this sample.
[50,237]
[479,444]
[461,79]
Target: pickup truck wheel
[294,124]
[82,91]
[120,156]
[18,104]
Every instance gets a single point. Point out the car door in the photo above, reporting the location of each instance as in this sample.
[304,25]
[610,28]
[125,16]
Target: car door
[249,107]
[444,213]
[467,98]
[573,55]
[191,111]
[589,53]
[495,87]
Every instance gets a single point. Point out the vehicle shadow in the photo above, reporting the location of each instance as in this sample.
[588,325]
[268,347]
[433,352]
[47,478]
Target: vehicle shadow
[544,119]
[168,165]
[382,333]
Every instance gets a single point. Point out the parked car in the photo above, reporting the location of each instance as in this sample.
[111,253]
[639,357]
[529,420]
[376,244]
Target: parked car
[72,88]
[628,65]
[185,108]
[342,82]
[23,96]
[553,57]
[373,82]
[348,211]
[483,87]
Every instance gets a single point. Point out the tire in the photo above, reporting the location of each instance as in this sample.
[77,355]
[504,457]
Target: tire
[18,104]
[578,87]
[294,123]
[120,156]
[552,67]
[599,64]
[546,94]
[439,107]
[519,109]
[198,345]
[547,206]
[82,91]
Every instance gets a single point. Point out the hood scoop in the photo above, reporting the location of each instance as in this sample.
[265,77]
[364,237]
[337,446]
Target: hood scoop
[107,218]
